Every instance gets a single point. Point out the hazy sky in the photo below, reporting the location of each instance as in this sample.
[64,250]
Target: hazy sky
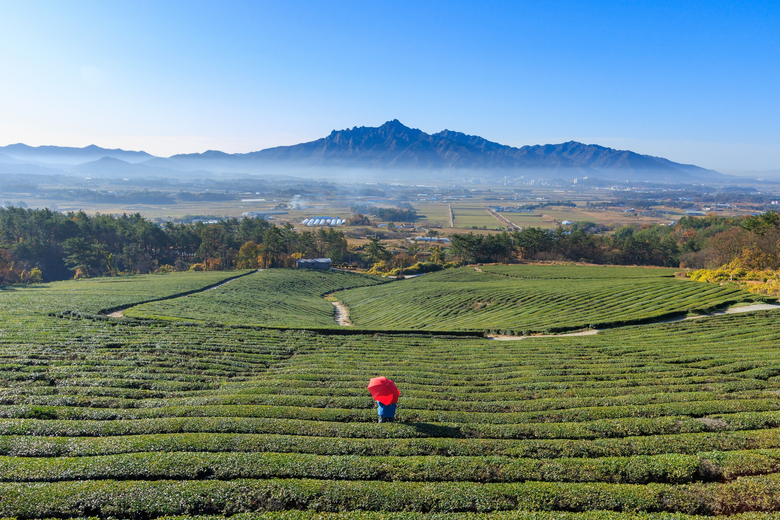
[695,82]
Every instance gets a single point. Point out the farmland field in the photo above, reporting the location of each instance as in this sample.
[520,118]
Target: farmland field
[434,213]
[518,299]
[474,215]
[142,418]
[528,220]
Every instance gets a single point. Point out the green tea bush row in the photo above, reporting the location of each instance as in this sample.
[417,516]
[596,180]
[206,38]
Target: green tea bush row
[502,515]
[547,390]
[687,443]
[363,414]
[585,430]
[668,468]
[276,388]
[490,386]
[365,401]
[134,499]
[577,272]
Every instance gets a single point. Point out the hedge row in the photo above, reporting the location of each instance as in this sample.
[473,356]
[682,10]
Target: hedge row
[688,443]
[671,468]
[666,468]
[149,499]
[608,428]
[136,389]
[695,409]
[615,385]
[365,401]
[502,515]
[587,430]
[546,392]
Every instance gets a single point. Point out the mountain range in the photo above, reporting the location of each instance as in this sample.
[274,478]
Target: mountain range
[389,147]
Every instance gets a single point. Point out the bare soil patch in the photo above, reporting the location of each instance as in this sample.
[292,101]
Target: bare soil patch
[712,424]
[735,310]
[342,314]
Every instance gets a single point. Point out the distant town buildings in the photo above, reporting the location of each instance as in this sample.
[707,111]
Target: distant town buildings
[435,240]
[263,214]
[323,221]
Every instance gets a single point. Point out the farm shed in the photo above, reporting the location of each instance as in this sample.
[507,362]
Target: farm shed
[313,263]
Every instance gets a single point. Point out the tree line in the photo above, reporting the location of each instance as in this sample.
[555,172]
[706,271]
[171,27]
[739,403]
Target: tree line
[61,246]
[692,242]
[399,214]
[41,244]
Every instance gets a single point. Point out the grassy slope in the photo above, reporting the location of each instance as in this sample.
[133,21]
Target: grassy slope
[275,297]
[531,298]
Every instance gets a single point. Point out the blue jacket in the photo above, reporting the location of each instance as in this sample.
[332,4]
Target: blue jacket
[386,410]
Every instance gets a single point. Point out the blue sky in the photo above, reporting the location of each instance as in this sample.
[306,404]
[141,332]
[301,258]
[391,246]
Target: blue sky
[695,82]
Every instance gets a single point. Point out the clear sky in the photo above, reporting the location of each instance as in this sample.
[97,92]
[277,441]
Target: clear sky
[695,82]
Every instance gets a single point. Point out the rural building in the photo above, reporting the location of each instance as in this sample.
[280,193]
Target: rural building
[313,263]
[437,240]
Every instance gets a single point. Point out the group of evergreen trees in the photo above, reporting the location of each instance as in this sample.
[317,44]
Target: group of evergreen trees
[62,246]
[42,244]
[693,242]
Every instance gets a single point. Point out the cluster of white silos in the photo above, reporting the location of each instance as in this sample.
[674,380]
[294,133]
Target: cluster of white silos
[323,221]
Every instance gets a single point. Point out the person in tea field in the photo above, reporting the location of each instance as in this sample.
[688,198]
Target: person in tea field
[386,394]
[386,412]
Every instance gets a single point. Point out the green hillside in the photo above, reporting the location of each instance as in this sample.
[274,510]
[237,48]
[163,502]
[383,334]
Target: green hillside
[95,295]
[518,299]
[274,297]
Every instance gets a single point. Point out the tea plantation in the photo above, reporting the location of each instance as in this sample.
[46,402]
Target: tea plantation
[276,297]
[527,299]
[107,294]
[143,418]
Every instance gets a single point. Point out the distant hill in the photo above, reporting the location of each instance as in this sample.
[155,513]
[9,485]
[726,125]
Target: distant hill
[111,167]
[7,159]
[392,146]
[63,155]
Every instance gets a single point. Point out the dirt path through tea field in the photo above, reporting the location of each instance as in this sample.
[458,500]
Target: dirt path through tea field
[736,310]
[342,314]
[590,332]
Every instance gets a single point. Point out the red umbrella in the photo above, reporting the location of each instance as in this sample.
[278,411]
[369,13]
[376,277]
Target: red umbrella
[384,390]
